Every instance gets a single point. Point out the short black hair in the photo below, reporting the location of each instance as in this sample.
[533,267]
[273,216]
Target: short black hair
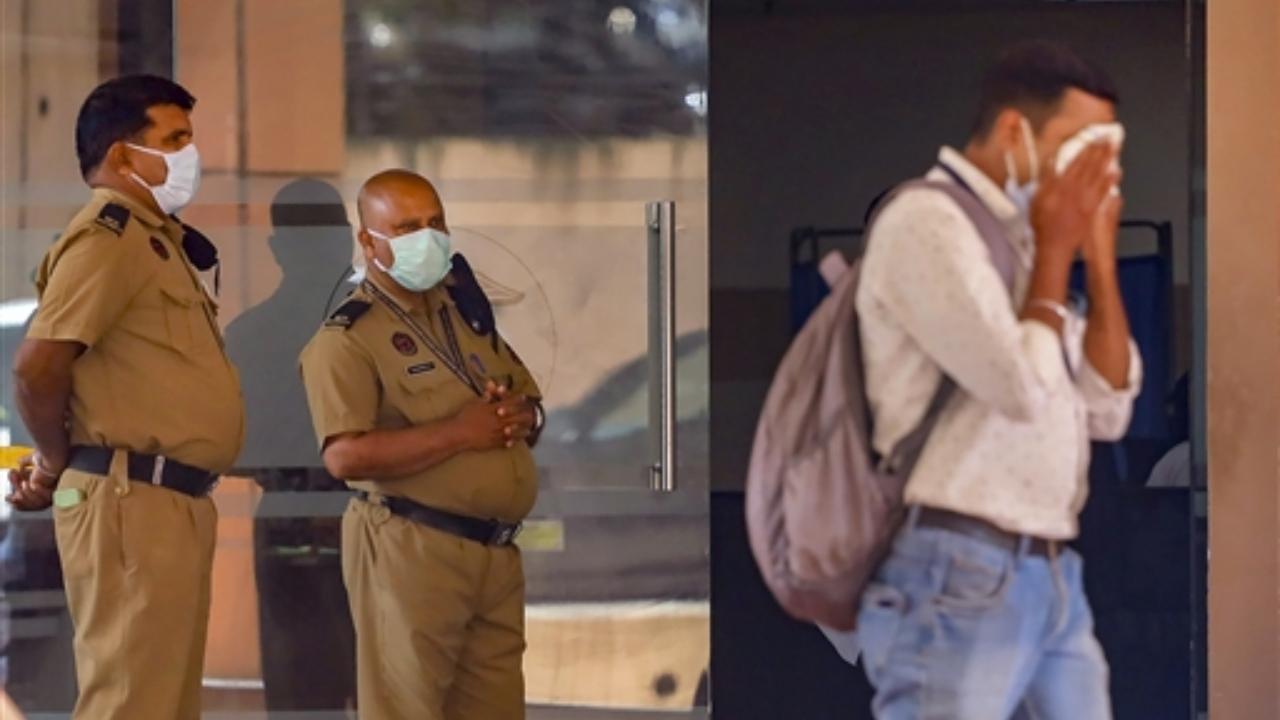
[117,110]
[1032,77]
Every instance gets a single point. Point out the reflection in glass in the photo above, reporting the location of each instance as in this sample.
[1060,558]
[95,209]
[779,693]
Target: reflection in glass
[297,563]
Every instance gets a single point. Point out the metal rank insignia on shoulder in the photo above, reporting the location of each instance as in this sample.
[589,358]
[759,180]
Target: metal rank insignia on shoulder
[113,217]
[348,313]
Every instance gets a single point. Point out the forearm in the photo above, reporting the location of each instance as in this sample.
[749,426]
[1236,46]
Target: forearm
[42,403]
[1107,338]
[390,454]
[1050,277]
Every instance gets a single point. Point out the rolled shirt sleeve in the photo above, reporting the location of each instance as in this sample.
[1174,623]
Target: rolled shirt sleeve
[1110,409]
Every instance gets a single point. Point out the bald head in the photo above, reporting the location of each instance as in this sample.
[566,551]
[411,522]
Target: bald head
[394,203]
[395,198]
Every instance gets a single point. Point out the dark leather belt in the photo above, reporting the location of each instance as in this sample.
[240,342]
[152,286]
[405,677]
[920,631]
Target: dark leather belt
[151,469]
[485,532]
[986,532]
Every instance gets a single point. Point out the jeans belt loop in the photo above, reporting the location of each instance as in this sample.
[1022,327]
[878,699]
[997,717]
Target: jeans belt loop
[913,516]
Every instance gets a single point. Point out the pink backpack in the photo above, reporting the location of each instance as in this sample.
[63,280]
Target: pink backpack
[822,508]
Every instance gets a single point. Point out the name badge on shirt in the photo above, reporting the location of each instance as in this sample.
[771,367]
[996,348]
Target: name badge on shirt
[421,368]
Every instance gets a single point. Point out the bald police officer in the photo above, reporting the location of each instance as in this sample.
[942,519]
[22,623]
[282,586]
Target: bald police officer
[423,408]
[133,406]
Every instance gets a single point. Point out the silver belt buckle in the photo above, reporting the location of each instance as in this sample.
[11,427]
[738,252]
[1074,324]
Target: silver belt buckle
[157,471]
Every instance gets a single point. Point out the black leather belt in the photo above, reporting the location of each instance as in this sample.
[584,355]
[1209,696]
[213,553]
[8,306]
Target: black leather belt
[986,532]
[485,532]
[151,469]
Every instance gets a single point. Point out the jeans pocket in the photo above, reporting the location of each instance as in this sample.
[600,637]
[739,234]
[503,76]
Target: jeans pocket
[975,580]
[883,607]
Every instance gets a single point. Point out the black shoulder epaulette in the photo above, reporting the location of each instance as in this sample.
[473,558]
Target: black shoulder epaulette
[473,304]
[113,217]
[348,313]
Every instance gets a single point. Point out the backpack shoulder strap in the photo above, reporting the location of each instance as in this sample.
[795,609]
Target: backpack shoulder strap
[989,227]
[993,233]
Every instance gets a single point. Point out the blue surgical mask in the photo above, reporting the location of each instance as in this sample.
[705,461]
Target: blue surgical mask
[422,258]
[1023,193]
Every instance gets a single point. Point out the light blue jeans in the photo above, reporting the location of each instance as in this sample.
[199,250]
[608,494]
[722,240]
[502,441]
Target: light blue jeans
[954,628]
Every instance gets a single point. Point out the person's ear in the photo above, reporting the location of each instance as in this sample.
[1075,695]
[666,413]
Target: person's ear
[116,160]
[1007,132]
[365,240]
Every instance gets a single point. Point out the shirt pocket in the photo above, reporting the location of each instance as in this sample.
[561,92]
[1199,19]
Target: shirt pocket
[180,311]
[429,395]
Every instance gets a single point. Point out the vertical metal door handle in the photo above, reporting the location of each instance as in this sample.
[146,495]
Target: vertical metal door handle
[660,220]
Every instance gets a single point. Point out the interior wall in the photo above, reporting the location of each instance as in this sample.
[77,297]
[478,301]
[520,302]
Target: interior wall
[11,58]
[815,111]
[1243,69]
[294,59]
[290,56]
[50,62]
[205,64]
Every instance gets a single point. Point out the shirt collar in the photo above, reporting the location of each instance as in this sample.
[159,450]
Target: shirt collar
[422,306]
[990,194]
[144,214]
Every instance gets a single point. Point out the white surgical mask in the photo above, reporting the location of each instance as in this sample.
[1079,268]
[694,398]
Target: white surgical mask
[1023,193]
[180,184]
[422,258]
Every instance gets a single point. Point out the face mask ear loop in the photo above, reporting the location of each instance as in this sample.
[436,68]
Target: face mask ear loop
[1011,169]
[1033,162]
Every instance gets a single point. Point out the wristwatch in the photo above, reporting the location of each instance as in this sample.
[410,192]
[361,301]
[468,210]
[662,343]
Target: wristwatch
[539,417]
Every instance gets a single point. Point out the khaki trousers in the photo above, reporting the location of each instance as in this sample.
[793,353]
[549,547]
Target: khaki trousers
[439,621]
[136,562]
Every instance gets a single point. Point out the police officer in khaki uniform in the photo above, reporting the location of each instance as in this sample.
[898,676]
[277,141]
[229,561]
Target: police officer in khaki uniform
[133,406]
[424,409]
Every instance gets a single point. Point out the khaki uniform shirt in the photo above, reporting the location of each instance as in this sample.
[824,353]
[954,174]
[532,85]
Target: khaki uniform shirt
[155,378]
[376,374]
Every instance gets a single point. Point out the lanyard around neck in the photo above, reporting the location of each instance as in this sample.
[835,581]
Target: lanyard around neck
[450,354]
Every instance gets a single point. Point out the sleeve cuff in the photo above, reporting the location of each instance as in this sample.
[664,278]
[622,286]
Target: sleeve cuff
[342,426]
[65,332]
[1110,408]
[1095,386]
